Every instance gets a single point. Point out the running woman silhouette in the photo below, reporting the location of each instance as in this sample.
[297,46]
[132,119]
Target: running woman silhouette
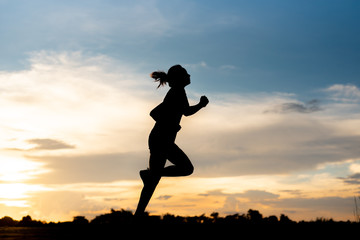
[162,137]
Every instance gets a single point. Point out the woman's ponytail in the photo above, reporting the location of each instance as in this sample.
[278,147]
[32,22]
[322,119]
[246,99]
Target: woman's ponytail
[160,77]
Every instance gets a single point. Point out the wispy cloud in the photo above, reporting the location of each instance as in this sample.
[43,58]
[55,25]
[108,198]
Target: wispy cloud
[252,195]
[308,107]
[196,66]
[352,179]
[49,144]
[38,144]
[92,167]
[228,67]
[344,93]
[164,197]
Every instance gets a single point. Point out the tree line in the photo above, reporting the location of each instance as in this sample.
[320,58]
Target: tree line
[116,217]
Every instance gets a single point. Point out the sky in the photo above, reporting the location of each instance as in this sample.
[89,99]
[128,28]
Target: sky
[280,134]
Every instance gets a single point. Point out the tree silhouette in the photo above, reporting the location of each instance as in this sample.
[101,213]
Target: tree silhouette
[285,219]
[254,216]
[7,221]
[28,222]
[80,220]
[125,217]
[271,219]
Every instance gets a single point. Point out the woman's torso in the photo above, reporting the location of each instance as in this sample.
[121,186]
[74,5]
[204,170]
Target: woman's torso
[168,116]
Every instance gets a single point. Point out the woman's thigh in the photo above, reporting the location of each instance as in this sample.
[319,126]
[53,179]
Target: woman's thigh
[178,157]
[157,161]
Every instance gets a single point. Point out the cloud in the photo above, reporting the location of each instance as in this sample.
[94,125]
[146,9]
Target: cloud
[257,195]
[49,144]
[344,93]
[298,207]
[287,145]
[240,202]
[63,206]
[309,107]
[228,67]
[61,202]
[77,98]
[293,192]
[196,66]
[105,167]
[309,208]
[252,195]
[352,179]
[355,167]
[164,197]
[233,136]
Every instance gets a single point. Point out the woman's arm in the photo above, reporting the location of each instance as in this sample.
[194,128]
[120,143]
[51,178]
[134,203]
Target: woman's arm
[194,109]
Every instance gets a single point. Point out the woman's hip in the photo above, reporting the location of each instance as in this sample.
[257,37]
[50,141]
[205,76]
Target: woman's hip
[161,139]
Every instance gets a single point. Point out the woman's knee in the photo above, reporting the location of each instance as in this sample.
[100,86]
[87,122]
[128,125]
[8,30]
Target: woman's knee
[189,169]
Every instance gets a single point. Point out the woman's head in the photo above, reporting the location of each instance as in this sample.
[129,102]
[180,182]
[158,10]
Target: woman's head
[176,76]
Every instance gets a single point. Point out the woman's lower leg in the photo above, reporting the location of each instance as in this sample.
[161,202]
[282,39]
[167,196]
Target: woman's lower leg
[146,194]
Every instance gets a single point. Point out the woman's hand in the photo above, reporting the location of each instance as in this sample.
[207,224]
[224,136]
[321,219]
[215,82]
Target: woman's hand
[204,101]
[194,109]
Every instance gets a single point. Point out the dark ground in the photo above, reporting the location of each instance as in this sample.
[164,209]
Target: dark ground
[182,231]
[123,224]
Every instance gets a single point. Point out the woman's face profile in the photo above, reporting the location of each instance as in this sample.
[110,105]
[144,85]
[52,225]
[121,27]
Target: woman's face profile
[186,78]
